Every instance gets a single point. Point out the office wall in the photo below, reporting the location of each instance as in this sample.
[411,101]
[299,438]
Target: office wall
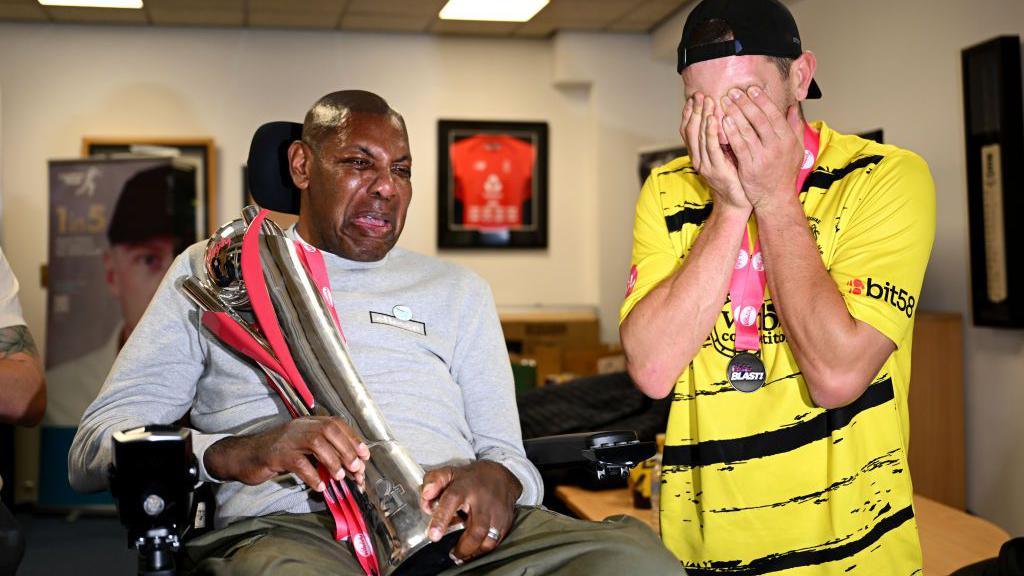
[63,82]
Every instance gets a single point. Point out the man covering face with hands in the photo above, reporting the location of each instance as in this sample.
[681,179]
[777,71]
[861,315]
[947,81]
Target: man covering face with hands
[776,272]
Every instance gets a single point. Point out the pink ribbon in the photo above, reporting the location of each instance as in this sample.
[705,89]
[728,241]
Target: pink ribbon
[746,287]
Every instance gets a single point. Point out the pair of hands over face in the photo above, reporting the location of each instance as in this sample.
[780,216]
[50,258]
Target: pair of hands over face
[766,146]
[485,492]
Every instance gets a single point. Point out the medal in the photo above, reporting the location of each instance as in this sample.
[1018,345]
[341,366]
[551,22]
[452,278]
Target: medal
[745,372]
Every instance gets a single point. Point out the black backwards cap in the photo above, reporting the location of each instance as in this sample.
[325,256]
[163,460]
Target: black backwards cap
[157,202]
[759,27]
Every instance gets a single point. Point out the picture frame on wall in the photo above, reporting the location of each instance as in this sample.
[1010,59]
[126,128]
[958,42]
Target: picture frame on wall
[199,152]
[657,156]
[993,97]
[874,135]
[116,224]
[492,185]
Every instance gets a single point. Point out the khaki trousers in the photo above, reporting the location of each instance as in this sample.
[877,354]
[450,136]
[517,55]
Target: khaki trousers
[541,542]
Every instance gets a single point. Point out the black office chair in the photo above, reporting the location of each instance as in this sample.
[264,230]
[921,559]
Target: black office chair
[154,474]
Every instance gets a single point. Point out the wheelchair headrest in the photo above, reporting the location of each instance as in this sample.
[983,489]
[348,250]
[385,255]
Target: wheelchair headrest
[269,180]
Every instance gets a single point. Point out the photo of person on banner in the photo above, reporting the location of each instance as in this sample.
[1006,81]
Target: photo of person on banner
[115,228]
[151,223]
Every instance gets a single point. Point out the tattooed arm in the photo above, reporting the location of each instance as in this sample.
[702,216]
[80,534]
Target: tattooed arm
[22,388]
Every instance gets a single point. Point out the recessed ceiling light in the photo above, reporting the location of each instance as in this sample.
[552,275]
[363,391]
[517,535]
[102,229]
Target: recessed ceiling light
[94,3]
[493,10]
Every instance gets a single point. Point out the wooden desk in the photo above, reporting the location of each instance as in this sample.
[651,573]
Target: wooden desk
[950,539]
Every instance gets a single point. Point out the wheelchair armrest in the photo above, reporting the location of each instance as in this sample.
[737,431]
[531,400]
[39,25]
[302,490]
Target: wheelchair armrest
[609,453]
[153,477]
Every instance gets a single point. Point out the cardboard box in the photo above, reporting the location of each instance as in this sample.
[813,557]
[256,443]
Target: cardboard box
[561,341]
[528,328]
[586,361]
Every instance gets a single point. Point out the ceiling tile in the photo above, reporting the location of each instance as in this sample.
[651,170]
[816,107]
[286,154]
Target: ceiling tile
[536,28]
[202,17]
[474,27]
[646,16]
[196,12]
[188,5]
[296,5]
[97,15]
[21,12]
[607,10]
[296,13]
[405,7]
[327,19]
[581,22]
[386,22]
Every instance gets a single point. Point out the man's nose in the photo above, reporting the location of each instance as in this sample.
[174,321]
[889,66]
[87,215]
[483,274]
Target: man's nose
[384,185]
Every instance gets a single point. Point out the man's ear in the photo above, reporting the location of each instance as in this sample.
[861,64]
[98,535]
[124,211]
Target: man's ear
[300,162]
[801,72]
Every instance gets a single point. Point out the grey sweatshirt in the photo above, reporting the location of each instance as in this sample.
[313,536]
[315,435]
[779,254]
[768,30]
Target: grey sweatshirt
[442,377]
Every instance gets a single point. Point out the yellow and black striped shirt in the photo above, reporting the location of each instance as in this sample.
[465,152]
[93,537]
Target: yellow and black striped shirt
[767,482]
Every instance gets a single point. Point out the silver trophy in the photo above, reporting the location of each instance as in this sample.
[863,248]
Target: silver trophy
[390,500]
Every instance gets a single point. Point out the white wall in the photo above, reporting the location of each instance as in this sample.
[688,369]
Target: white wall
[63,82]
[896,65]
[634,102]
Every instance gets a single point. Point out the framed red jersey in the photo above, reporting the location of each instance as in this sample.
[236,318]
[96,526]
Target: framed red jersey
[492,183]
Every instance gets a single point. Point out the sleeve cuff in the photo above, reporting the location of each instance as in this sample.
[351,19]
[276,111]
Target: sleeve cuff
[526,473]
[893,330]
[200,442]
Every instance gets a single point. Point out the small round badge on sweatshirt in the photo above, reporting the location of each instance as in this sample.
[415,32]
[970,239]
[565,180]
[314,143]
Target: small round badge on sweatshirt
[401,312]
[746,372]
